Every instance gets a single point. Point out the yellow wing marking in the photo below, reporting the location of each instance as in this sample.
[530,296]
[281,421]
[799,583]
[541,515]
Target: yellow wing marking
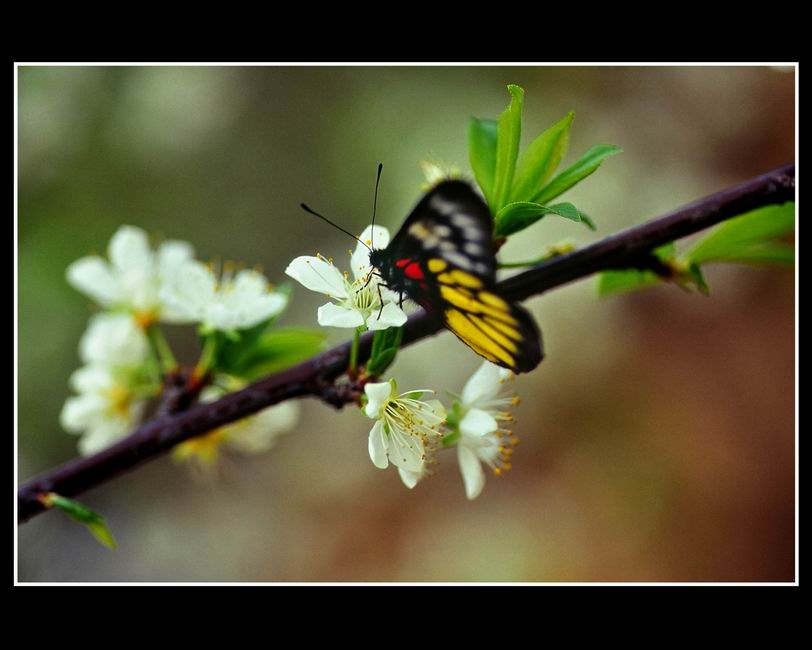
[501,339]
[419,230]
[436,265]
[459,277]
[466,279]
[515,334]
[492,300]
[464,301]
[476,338]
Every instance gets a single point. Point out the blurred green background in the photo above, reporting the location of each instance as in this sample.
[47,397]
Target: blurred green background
[657,435]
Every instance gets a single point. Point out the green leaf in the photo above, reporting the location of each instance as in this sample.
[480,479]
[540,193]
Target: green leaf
[521,214]
[666,252]
[748,238]
[233,350]
[82,514]
[383,339]
[615,282]
[385,345]
[586,165]
[566,210]
[693,275]
[380,363]
[482,154]
[541,159]
[625,281]
[454,416]
[777,253]
[275,351]
[587,221]
[509,131]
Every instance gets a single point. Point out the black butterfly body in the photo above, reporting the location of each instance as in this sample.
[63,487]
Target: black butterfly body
[443,259]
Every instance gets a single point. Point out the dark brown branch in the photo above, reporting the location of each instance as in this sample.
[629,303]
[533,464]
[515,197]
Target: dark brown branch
[316,376]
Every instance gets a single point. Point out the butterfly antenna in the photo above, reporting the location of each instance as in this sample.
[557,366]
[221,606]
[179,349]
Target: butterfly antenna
[322,217]
[375,203]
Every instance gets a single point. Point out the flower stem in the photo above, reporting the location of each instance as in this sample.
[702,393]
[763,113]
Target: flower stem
[207,358]
[353,368]
[162,349]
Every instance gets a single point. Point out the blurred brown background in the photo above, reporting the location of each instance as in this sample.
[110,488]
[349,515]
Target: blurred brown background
[657,435]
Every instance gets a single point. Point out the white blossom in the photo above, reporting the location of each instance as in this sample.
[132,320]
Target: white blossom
[133,276]
[226,302]
[405,430]
[252,435]
[109,403]
[362,301]
[105,410]
[483,438]
[113,339]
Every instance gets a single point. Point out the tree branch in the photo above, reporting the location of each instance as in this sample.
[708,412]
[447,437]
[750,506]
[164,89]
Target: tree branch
[316,376]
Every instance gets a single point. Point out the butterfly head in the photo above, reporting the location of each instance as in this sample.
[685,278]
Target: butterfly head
[379,260]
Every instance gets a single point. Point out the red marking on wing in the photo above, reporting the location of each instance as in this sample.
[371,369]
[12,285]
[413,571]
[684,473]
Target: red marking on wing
[401,263]
[414,272]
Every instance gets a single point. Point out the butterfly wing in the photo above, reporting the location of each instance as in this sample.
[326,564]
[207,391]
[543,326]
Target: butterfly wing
[453,223]
[443,259]
[495,328]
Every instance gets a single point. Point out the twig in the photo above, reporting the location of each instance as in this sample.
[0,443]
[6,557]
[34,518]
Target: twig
[316,376]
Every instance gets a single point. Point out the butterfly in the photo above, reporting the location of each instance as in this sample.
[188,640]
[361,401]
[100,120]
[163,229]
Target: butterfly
[443,259]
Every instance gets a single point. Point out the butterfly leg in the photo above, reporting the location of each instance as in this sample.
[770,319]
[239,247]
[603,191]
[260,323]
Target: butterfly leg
[380,299]
[369,279]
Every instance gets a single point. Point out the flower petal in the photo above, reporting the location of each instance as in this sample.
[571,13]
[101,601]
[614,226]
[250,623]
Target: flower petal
[405,450]
[410,479]
[247,302]
[377,396]
[484,384]
[477,423]
[391,316]
[259,433]
[438,408]
[129,250]
[472,474]
[360,258]
[262,309]
[189,292]
[381,237]
[92,276]
[247,285]
[91,379]
[113,339]
[102,435]
[377,446]
[318,275]
[171,254]
[330,315]
[78,413]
